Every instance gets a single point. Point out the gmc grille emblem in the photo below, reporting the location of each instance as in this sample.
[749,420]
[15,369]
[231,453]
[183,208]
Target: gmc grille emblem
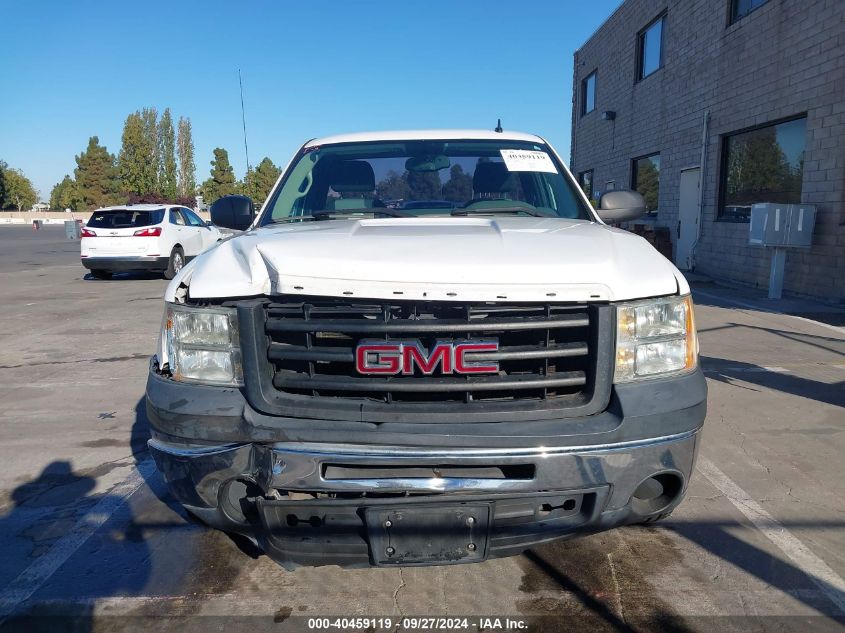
[389,358]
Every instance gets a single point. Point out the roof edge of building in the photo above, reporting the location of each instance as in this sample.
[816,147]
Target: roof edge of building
[600,27]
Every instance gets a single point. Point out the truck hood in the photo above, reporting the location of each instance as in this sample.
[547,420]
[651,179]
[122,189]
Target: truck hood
[452,259]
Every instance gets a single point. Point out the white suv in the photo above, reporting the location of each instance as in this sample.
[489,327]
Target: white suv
[144,237]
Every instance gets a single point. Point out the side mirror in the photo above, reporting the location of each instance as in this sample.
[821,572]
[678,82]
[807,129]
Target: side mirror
[621,206]
[233,212]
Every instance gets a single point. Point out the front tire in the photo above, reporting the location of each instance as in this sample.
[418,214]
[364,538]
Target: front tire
[101,274]
[176,262]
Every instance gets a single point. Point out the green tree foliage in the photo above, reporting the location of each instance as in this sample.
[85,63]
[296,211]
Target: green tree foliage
[759,171]
[424,185]
[63,195]
[167,156]
[187,184]
[222,181]
[133,160]
[648,183]
[394,187]
[3,168]
[149,117]
[459,186]
[259,181]
[19,189]
[96,177]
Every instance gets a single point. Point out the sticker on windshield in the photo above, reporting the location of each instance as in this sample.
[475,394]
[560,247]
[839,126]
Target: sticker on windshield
[527,160]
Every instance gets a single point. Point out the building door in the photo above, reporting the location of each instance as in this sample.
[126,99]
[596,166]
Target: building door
[689,200]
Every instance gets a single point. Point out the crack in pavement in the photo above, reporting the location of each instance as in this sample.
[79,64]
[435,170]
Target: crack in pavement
[110,359]
[396,593]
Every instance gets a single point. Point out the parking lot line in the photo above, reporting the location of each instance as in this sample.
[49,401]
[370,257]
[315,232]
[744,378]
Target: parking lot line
[816,569]
[31,578]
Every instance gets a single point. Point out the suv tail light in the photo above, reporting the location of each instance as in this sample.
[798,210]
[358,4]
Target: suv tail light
[151,232]
[88,233]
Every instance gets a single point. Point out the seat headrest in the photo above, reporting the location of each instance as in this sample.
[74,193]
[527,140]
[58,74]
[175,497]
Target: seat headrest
[352,176]
[492,178]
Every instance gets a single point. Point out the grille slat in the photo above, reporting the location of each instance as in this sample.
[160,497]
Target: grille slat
[421,326]
[280,351]
[417,385]
[546,351]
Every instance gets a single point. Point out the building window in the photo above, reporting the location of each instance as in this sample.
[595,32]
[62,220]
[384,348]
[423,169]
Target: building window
[585,179]
[588,94]
[650,48]
[765,164]
[741,8]
[645,178]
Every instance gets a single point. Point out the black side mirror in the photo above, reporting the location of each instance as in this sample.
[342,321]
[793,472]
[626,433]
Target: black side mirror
[233,212]
[621,206]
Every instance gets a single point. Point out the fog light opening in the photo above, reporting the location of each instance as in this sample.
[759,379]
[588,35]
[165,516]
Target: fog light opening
[237,500]
[656,493]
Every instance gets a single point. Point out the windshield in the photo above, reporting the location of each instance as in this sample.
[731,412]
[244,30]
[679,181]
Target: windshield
[425,178]
[125,218]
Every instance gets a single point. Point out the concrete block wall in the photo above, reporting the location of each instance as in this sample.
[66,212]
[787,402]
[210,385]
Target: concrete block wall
[784,59]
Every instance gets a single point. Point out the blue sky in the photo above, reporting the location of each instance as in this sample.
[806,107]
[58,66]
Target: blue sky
[76,69]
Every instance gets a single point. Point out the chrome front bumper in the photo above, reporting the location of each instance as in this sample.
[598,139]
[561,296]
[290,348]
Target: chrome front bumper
[596,482]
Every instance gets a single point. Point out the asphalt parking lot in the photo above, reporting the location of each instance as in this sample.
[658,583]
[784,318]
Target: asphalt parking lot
[89,531]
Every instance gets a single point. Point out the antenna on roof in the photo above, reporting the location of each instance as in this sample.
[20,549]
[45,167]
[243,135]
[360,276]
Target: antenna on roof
[499,126]
[243,119]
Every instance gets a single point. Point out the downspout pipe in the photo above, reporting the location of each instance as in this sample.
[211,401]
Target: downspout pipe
[705,135]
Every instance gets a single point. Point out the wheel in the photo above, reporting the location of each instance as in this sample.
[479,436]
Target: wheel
[177,261]
[101,274]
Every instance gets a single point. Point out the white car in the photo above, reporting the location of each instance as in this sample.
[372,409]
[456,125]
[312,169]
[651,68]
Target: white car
[151,237]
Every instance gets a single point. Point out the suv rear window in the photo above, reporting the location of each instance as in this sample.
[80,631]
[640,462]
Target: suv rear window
[125,218]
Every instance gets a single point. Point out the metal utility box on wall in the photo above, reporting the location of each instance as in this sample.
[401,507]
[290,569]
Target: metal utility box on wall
[786,225]
[781,226]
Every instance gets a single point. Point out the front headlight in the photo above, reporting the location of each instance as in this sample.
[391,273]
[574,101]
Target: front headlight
[655,338]
[202,344]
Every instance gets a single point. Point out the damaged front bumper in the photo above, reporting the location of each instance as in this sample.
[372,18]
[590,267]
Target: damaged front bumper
[516,499]
[314,491]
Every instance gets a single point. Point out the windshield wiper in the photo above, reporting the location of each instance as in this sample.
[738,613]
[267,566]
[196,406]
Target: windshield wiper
[494,210]
[327,214]
[290,218]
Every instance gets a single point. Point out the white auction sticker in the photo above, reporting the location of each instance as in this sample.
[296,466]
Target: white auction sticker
[527,160]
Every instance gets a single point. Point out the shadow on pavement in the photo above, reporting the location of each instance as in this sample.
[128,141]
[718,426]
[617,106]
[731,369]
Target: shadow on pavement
[58,488]
[124,276]
[727,371]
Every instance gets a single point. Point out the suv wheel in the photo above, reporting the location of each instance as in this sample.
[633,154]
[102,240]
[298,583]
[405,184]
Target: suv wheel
[101,274]
[176,263]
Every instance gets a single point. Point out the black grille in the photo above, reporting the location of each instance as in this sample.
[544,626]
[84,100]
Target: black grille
[549,357]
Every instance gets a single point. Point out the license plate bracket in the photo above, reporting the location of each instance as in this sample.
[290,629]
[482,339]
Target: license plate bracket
[428,534]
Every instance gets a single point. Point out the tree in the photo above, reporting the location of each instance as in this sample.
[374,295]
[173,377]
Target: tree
[3,168]
[167,156]
[222,181]
[648,183]
[63,195]
[149,117]
[394,186]
[187,185]
[132,160]
[424,185]
[459,186]
[758,170]
[19,189]
[259,181]
[96,177]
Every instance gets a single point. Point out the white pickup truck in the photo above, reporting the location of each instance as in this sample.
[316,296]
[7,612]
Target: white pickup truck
[428,348]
